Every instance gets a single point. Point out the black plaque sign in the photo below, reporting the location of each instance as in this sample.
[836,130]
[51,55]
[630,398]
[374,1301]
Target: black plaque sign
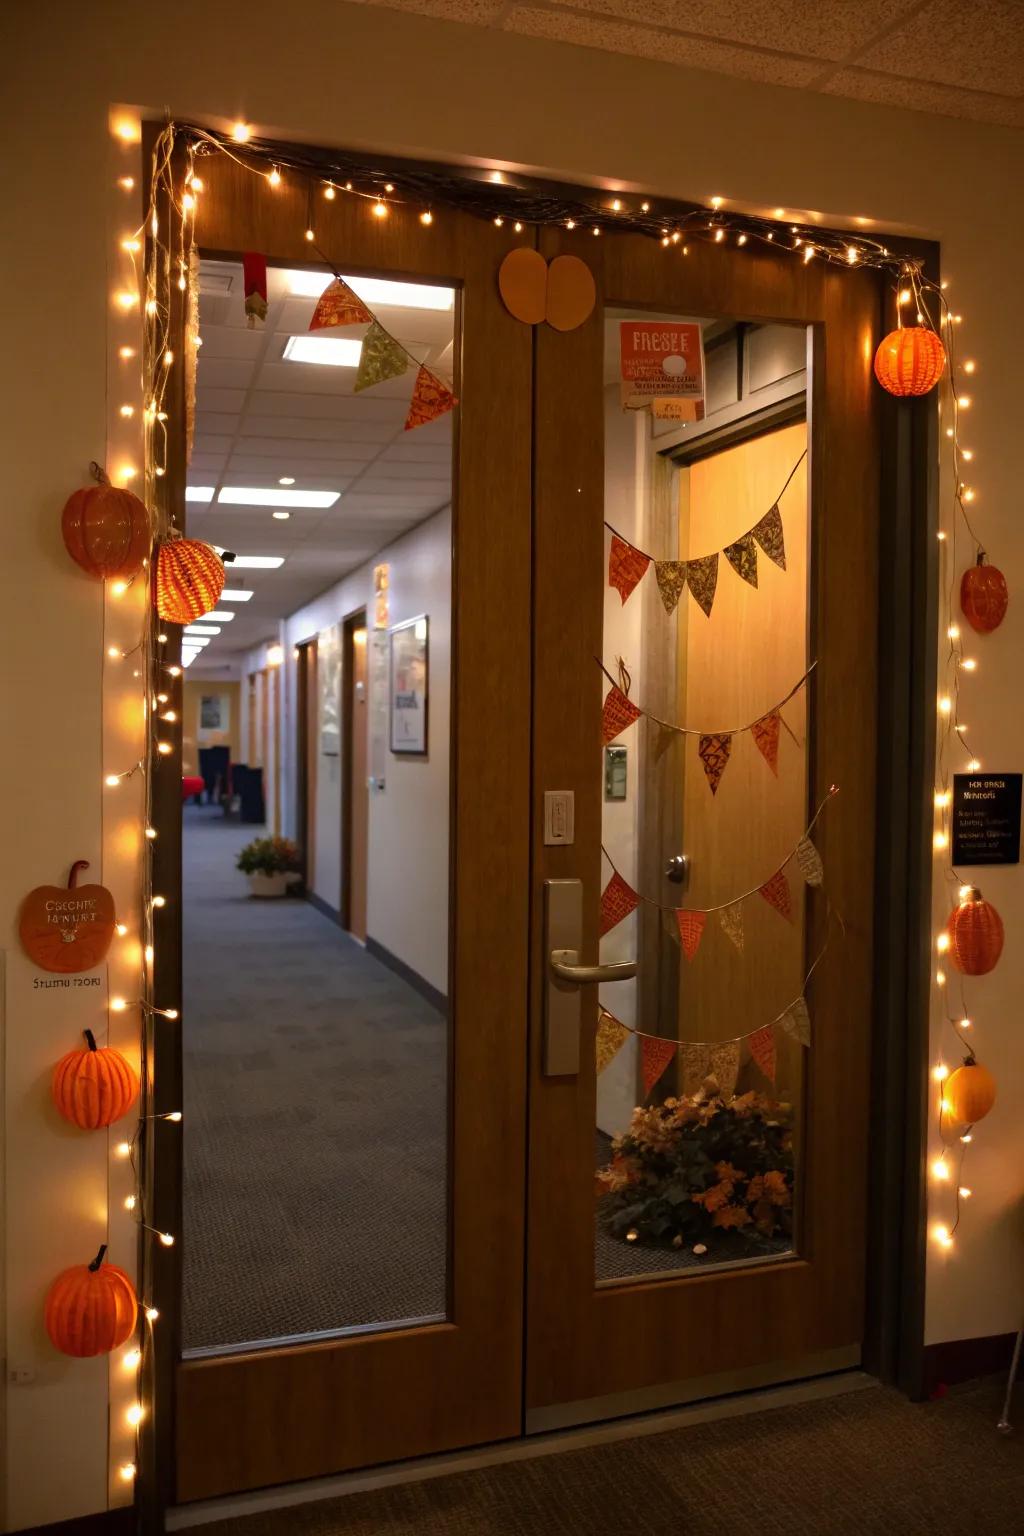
[986,818]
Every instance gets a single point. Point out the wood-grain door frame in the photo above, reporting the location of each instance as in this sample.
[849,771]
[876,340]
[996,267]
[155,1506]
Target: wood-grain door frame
[350,624]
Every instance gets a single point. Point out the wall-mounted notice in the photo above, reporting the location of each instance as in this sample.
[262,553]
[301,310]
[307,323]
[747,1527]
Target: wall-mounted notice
[662,360]
[986,818]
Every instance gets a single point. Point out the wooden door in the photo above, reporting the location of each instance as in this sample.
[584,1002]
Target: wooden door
[326,1404]
[600,1348]
[356,767]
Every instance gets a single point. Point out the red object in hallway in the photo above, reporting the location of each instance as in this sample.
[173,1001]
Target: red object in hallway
[94,1087]
[983,595]
[191,784]
[975,933]
[910,361]
[90,1309]
[106,530]
[67,928]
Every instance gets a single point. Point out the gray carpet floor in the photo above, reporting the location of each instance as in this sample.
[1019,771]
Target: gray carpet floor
[865,1464]
[315,1191]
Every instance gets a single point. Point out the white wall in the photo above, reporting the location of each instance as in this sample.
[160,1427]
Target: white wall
[607,119]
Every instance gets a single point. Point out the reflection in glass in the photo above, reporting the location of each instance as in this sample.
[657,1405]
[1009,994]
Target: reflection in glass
[698,1108]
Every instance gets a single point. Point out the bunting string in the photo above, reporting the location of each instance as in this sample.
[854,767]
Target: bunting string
[689,730]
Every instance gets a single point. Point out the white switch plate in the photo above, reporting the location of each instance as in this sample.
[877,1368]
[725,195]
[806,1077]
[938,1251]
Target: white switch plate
[559,816]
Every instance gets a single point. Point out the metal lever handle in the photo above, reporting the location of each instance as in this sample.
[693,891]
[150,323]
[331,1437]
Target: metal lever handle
[564,964]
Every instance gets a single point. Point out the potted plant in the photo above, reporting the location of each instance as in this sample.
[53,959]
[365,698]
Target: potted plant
[271,863]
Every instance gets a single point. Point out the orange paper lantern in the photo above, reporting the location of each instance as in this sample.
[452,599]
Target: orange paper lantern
[975,933]
[94,1087]
[90,1309]
[983,595]
[968,1093]
[189,580]
[910,361]
[106,530]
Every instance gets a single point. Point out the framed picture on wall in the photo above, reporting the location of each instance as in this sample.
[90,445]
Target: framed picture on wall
[409,700]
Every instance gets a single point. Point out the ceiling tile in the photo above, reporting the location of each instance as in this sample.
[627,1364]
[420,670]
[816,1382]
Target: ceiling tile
[824,29]
[922,96]
[976,47]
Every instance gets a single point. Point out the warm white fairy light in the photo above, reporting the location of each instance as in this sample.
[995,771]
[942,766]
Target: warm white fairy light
[126,1471]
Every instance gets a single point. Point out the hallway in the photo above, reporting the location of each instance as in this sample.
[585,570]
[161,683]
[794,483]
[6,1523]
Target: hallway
[315,1115]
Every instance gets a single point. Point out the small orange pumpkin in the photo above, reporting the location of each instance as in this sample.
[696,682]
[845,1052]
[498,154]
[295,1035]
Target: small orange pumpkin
[90,1309]
[94,1087]
[189,580]
[106,530]
[968,1093]
[67,930]
[910,361]
[975,933]
[983,595]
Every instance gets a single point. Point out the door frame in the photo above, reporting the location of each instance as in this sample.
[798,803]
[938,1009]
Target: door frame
[351,622]
[305,759]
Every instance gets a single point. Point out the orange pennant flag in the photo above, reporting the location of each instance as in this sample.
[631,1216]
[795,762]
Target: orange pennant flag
[766,734]
[655,1056]
[430,398]
[776,893]
[618,900]
[618,713]
[714,754]
[691,926]
[762,1049]
[626,566]
[611,1037]
[338,305]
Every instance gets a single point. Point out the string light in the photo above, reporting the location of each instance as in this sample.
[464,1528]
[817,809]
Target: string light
[426,217]
[132,1360]
[274,178]
[329,192]
[151,1314]
[241,133]
[380,209]
[126,1471]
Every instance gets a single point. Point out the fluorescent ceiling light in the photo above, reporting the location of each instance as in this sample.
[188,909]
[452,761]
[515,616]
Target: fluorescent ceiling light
[235,595]
[202,629]
[199,492]
[188,657]
[256,563]
[375,290]
[336,351]
[258,496]
[223,616]
[195,645]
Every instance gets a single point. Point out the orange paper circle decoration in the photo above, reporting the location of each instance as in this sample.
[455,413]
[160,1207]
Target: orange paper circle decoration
[90,1308]
[94,1087]
[910,361]
[975,933]
[106,530]
[189,580]
[968,1093]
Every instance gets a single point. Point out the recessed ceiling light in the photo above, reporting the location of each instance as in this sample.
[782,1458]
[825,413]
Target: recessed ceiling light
[235,595]
[255,562]
[199,492]
[287,480]
[375,290]
[281,516]
[335,351]
[217,613]
[201,629]
[257,496]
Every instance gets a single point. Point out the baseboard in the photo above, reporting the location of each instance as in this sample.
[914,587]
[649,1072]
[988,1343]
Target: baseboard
[418,983]
[108,1522]
[956,1360]
[324,907]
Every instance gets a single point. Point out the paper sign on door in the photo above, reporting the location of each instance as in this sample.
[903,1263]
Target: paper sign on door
[662,365]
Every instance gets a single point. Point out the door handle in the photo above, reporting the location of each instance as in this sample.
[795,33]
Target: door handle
[563,1000]
[564,964]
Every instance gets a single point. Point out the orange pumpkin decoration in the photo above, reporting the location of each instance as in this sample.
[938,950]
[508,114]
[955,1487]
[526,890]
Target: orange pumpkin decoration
[94,1087]
[968,1093]
[67,930]
[910,361]
[90,1309]
[975,933]
[106,530]
[983,595]
[189,580]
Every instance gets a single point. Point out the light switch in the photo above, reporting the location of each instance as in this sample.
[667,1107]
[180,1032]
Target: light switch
[559,816]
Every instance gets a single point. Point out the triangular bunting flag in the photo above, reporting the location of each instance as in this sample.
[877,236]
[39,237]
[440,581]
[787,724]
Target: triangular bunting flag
[796,1021]
[725,1066]
[655,1056]
[626,566]
[714,754]
[618,900]
[617,714]
[768,533]
[671,576]
[702,579]
[691,926]
[731,919]
[742,556]
[254,281]
[611,1037]
[381,358]
[694,1065]
[766,734]
[430,398]
[776,893]
[338,305]
[762,1049]
[809,862]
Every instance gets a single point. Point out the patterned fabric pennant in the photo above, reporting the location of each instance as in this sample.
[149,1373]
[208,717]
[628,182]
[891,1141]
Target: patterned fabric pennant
[617,714]
[431,398]
[796,1021]
[725,1066]
[254,281]
[381,358]
[626,566]
[618,900]
[694,1065]
[671,576]
[766,734]
[655,1056]
[338,305]
[762,1049]
[702,579]
[611,1037]
[714,754]
[776,893]
[742,556]
[731,919]
[691,926]
[768,533]
[809,862]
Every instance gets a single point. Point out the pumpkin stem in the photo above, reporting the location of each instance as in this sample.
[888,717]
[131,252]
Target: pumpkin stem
[981,556]
[98,1260]
[228,556]
[73,876]
[99,474]
[90,1039]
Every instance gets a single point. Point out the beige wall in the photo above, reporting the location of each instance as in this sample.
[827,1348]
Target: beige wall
[192,734]
[444,91]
